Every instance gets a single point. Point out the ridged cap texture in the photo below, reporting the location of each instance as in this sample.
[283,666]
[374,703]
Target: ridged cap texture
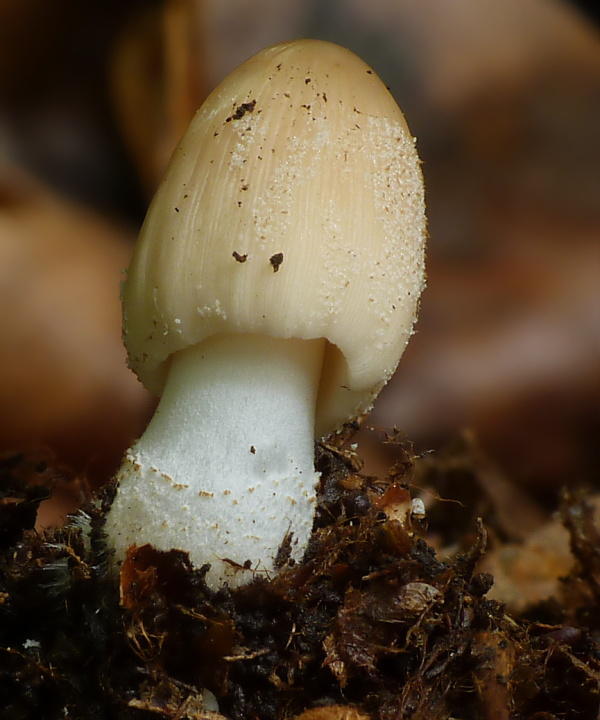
[292,207]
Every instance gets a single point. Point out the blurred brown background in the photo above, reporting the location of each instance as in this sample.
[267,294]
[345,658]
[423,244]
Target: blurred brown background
[504,99]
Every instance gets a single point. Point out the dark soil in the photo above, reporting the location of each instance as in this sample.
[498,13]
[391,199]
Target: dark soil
[371,618]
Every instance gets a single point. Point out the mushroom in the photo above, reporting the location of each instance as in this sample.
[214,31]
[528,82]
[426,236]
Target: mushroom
[272,292]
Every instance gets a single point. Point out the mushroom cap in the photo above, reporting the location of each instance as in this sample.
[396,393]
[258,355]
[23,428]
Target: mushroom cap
[292,207]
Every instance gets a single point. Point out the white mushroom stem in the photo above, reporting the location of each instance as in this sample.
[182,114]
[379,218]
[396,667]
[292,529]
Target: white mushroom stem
[225,469]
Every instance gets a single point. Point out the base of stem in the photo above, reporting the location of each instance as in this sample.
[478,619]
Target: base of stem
[225,469]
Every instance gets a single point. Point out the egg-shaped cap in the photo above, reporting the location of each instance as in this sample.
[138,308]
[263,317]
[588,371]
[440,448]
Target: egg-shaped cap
[292,207]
